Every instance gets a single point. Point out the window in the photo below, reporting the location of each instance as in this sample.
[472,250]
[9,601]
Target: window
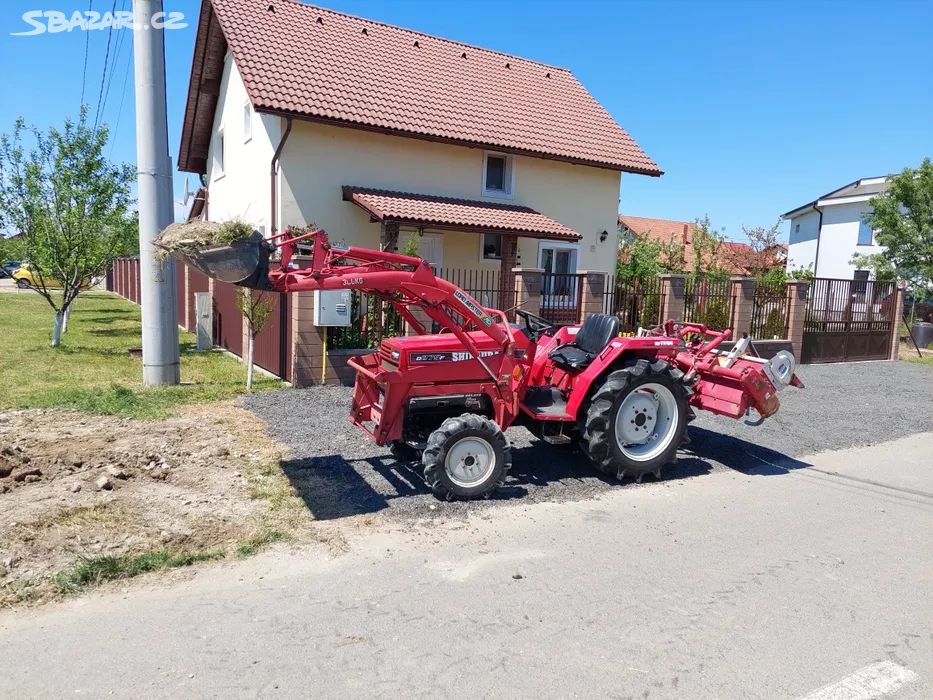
[497,175]
[797,228]
[492,246]
[247,122]
[859,285]
[219,155]
[865,234]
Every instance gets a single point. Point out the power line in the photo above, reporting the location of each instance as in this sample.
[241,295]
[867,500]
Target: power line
[126,75]
[87,41]
[116,60]
[100,94]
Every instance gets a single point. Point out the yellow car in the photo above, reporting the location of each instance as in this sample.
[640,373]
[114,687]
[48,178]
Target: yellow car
[26,277]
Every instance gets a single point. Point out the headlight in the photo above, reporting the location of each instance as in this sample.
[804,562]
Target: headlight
[395,355]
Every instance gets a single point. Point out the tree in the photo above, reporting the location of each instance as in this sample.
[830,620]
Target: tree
[902,219]
[71,204]
[256,309]
[765,250]
[707,246]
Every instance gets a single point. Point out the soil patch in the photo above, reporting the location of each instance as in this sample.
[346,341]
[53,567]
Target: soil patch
[76,488]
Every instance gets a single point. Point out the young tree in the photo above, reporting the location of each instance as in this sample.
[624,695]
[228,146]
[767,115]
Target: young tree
[902,219]
[707,247]
[70,202]
[256,309]
[767,251]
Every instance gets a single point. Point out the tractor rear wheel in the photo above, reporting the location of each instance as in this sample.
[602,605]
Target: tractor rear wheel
[468,456]
[636,420]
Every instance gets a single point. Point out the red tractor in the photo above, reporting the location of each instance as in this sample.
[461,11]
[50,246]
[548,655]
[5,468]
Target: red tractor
[448,397]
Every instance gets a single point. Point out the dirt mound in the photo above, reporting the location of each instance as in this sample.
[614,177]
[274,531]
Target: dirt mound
[74,486]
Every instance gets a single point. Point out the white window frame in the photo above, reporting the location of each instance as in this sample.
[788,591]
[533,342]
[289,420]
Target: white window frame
[247,122]
[509,176]
[561,301]
[482,257]
[542,244]
[218,166]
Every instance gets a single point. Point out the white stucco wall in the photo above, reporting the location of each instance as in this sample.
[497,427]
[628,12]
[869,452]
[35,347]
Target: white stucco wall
[801,246]
[242,190]
[838,240]
[319,159]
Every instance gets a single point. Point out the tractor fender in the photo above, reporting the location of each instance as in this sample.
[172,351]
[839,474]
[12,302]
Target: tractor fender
[613,357]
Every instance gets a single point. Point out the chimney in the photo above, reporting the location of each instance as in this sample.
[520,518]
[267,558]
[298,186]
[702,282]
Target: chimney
[686,234]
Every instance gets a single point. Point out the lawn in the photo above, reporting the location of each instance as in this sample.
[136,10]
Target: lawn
[92,370]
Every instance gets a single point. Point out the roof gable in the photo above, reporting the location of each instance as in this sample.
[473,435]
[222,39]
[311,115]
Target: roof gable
[313,63]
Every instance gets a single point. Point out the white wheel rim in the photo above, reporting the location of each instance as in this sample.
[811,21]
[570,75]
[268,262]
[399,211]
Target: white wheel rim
[646,422]
[470,461]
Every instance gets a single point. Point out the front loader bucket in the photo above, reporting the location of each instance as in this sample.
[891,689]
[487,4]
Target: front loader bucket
[245,262]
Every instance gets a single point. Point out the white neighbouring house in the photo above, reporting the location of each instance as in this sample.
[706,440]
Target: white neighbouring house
[827,232]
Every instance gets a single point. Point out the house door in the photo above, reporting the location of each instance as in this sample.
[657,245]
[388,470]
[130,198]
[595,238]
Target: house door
[431,250]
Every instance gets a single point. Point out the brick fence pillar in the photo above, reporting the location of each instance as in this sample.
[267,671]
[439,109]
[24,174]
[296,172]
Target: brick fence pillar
[742,294]
[592,294]
[673,288]
[509,253]
[897,321]
[528,288]
[307,341]
[797,291]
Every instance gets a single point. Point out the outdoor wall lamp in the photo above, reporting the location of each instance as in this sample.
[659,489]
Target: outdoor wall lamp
[603,236]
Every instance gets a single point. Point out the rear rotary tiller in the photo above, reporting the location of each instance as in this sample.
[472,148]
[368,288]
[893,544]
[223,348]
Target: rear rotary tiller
[447,398]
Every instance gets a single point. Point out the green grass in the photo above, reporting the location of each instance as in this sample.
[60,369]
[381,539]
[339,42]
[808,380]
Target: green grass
[93,371]
[250,546]
[88,572]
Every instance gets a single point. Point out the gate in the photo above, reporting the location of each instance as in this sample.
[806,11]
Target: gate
[848,320]
[561,297]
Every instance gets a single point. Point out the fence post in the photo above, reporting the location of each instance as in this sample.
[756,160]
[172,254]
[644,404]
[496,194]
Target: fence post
[898,318]
[528,289]
[592,293]
[673,288]
[742,294]
[797,291]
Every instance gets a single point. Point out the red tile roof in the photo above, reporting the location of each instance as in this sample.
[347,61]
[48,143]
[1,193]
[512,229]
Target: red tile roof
[458,214]
[322,65]
[733,256]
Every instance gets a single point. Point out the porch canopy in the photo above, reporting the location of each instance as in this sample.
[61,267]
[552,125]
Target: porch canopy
[396,209]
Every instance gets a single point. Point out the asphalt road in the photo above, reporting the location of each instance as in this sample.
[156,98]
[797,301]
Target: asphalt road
[809,582]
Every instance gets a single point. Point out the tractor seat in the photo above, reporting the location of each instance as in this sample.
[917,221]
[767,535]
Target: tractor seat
[595,333]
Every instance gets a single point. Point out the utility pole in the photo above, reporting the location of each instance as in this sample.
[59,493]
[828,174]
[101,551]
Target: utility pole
[156,210]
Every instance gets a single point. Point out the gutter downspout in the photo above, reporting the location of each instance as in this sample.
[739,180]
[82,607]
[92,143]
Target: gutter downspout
[284,302]
[273,182]
[819,236]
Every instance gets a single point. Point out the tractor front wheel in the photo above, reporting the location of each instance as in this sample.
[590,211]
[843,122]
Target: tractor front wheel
[22,284]
[467,457]
[637,420]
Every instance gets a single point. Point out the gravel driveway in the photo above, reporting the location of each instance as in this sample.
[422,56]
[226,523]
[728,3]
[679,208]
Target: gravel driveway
[340,472]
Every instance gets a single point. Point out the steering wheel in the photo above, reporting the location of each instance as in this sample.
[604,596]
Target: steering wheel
[534,324]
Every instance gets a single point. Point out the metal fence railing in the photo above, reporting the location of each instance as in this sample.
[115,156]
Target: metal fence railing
[561,297]
[371,320]
[769,311]
[637,303]
[708,301]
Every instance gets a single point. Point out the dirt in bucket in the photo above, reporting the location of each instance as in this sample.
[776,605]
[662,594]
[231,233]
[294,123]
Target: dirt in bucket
[196,235]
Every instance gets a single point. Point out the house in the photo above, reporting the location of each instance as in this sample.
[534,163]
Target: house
[677,249]
[827,232]
[298,114]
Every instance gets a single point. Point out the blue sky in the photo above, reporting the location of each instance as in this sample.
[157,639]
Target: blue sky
[751,109]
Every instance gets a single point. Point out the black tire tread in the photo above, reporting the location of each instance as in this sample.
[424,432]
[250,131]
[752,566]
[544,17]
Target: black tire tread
[432,457]
[596,434]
